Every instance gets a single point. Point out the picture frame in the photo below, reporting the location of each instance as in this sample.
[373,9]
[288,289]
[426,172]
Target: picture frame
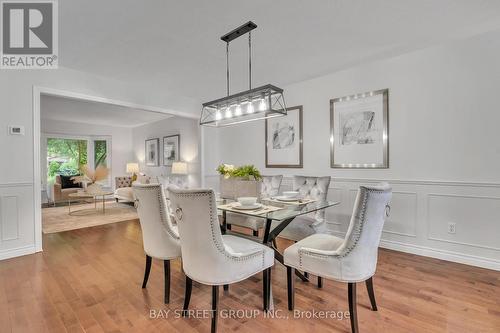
[151,152]
[284,139]
[171,149]
[359,131]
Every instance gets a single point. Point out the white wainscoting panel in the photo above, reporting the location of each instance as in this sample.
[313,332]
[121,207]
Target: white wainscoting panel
[419,217]
[9,209]
[476,217]
[16,220]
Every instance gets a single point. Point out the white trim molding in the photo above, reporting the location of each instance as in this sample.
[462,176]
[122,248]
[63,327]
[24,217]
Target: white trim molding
[412,229]
[38,91]
[16,252]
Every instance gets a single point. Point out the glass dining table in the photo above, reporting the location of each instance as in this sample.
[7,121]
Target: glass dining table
[277,215]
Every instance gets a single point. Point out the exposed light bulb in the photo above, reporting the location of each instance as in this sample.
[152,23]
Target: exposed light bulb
[250,107]
[262,105]
[237,111]
[229,114]
[218,115]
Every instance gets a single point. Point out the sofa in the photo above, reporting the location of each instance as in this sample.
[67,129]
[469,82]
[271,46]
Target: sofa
[123,187]
[63,187]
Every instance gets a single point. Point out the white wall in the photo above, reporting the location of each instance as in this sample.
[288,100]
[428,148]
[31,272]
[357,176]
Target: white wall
[444,147]
[121,142]
[189,146]
[19,234]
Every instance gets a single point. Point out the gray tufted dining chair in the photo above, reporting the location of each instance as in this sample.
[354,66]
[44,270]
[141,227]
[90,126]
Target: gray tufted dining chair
[352,259]
[159,235]
[302,226]
[270,187]
[211,258]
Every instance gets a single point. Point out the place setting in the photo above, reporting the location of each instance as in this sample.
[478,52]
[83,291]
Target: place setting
[291,198]
[249,205]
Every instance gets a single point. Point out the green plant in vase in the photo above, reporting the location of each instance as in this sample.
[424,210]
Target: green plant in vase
[244,172]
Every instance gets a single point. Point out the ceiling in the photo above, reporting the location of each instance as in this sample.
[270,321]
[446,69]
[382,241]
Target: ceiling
[176,45]
[79,111]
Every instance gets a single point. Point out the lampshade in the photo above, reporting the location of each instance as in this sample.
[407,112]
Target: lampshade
[132,168]
[179,168]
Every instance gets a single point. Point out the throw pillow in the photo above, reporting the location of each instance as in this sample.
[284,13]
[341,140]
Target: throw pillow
[66,182]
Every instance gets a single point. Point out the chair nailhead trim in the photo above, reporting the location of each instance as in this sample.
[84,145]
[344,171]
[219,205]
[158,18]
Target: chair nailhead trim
[163,208]
[220,247]
[356,233]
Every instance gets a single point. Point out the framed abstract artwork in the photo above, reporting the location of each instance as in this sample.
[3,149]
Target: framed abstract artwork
[359,136]
[151,152]
[171,149]
[284,140]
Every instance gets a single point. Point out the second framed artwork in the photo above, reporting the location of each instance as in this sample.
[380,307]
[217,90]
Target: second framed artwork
[359,135]
[171,149]
[284,140]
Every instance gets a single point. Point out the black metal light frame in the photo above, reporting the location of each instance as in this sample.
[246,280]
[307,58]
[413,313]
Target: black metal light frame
[240,107]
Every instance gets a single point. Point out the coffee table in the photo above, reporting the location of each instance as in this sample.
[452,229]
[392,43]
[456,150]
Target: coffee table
[82,195]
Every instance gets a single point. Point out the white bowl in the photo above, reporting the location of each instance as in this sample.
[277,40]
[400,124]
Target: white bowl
[247,201]
[290,194]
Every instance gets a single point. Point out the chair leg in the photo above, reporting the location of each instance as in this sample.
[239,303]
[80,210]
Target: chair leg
[266,288]
[215,300]
[306,275]
[290,279]
[353,306]
[226,287]
[187,296]
[255,233]
[166,269]
[146,271]
[371,294]
[269,279]
[116,199]
[274,244]
[320,282]
[228,226]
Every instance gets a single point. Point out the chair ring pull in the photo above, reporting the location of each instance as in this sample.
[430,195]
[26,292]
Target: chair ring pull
[178,213]
[387,210]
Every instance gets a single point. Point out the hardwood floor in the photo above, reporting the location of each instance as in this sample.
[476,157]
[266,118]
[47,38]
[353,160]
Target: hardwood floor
[89,280]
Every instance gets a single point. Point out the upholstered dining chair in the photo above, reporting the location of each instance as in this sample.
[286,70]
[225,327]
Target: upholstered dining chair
[159,235]
[302,226]
[211,258]
[270,187]
[352,259]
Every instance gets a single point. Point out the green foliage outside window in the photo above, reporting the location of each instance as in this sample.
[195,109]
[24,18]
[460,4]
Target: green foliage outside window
[65,157]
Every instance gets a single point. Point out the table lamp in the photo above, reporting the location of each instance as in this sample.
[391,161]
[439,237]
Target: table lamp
[179,168]
[133,168]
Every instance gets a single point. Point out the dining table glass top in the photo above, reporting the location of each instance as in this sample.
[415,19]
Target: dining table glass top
[274,209]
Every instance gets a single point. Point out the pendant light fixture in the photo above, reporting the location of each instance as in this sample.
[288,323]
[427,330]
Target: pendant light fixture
[253,104]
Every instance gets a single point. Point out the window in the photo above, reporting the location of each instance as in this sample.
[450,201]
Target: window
[65,156]
[100,153]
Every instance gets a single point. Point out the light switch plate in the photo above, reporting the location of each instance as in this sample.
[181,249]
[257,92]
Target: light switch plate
[16,130]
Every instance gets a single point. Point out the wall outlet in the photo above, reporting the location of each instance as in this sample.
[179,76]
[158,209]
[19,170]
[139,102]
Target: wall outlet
[452,228]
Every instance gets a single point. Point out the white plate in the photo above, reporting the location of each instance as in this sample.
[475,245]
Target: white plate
[237,205]
[283,198]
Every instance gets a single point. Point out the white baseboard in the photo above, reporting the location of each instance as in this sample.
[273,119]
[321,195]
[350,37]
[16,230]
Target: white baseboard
[442,254]
[20,251]
[460,258]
